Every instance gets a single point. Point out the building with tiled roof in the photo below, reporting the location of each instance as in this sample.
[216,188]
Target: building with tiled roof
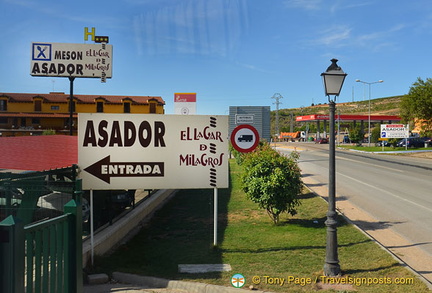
[30,114]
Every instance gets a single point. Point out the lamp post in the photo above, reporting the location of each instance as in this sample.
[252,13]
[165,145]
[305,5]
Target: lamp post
[369,120]
[333,80]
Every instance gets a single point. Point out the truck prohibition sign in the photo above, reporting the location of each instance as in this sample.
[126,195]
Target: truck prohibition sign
[244,138]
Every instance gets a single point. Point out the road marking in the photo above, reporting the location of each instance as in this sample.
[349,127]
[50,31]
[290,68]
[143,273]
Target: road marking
[387,192]
[376,166]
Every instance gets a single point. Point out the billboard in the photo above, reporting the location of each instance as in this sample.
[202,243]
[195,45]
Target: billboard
[394,131]
[134,151]
[71,60]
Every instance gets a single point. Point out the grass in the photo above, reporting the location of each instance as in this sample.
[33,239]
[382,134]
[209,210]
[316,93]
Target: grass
[182,233]
[366,148]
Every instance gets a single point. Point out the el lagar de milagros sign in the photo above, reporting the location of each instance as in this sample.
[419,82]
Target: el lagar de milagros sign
[117,151]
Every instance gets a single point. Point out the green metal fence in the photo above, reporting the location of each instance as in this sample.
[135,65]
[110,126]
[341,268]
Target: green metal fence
[46,255]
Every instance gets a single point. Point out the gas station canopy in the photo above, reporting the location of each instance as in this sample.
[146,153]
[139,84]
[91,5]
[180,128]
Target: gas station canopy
[349,118]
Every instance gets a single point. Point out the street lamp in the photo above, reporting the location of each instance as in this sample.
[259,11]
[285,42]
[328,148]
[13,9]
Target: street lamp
[333,80]
[369,124]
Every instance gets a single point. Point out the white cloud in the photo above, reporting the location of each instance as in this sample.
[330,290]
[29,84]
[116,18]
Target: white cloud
[334,36]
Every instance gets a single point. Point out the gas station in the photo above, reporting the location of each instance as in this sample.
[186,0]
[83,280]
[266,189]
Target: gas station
[362,119]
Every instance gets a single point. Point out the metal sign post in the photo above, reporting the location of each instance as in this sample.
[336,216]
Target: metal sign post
[91,226]
[215,216]
[71,109]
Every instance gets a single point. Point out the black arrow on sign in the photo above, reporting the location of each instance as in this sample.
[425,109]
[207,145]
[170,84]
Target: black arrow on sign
[105,169]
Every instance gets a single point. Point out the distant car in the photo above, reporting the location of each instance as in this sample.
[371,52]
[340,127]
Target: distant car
[321,140]
[123,199]
[412,142]
[346,139]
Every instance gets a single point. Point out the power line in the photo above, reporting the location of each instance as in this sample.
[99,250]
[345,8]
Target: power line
[277,97]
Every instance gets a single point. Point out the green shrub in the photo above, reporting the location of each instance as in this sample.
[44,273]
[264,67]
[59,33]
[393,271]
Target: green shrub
[49,132]
[272,180]
[356,135]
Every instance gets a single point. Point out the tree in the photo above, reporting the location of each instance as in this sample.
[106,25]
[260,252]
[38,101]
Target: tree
[418,104]
[356,135]
[375,134]
[272,181]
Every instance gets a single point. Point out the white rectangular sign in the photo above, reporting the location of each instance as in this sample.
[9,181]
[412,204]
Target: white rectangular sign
[76,60]
[394,131]
[244,119]
[134,151]
[185,103]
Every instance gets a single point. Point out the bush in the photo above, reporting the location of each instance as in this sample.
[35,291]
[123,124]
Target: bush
[356,135]
[49,132]
[272,180]
[393,142]
[238,156]
[376,134]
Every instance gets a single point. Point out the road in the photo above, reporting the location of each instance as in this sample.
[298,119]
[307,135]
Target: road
[388,196]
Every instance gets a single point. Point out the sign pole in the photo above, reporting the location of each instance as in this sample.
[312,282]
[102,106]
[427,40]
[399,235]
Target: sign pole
[406,139]
[91,227]
[71,80]
[215,195]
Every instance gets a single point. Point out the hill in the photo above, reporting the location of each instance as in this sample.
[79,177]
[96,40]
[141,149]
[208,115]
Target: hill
[381,106]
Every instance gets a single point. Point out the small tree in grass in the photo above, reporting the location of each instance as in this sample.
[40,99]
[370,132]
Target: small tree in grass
[272,181]
[356,135]
[393,142]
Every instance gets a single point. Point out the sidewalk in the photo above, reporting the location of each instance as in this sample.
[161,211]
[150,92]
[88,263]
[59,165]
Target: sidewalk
[120,288]
[143,284]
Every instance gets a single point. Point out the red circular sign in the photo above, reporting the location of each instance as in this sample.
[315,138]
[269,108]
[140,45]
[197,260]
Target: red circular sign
[244,138]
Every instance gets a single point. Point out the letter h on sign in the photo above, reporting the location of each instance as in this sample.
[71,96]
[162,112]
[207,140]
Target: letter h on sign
[87,33]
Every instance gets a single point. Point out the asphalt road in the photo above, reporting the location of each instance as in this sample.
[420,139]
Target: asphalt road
[393,193]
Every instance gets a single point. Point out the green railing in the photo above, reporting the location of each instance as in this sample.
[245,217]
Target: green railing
[45,256]
[51,258]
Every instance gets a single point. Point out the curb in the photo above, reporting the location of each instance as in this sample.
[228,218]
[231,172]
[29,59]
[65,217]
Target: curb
[191,287]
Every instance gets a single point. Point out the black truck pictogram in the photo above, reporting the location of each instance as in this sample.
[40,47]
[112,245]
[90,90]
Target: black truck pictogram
[245,137]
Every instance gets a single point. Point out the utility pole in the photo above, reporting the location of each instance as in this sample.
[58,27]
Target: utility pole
[277,97]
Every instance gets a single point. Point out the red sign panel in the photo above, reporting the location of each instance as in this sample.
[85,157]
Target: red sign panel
[185,97]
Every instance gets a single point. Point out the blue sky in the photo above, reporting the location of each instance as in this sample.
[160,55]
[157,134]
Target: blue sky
[230,52]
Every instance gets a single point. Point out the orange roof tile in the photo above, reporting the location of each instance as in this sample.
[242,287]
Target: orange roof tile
[36,115]
[38,153]
[59,97]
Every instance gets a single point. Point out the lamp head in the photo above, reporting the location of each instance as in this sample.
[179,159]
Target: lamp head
[333,79]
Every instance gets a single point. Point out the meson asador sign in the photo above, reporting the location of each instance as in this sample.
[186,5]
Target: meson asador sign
[66,60]
[134,151]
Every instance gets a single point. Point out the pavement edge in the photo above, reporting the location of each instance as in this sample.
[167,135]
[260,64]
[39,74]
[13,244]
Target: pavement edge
[192,287]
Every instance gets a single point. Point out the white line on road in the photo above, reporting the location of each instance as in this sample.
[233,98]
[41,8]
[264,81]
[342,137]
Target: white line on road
[387,192]
[374,165]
